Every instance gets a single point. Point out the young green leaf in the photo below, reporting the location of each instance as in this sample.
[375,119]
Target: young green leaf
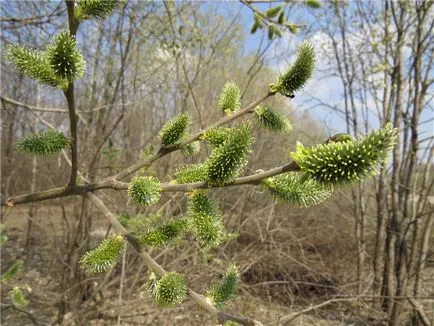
[145,190]
[291,188]
[299,73]
[281,17]
[221,292]
[167,291]
[174,131]
[45,143]
[65,58]
[94,9]
[315,4]
[230,98]
[104,256]
[273,12]
[227,161]
[32,63]
[272,120]
[340,163]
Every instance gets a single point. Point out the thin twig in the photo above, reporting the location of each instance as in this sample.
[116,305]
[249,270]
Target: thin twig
[24,311]
[55,110]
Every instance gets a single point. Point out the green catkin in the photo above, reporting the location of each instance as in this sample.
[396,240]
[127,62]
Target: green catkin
[162,235]
[272,120]
[17,297]
[167,291]
[298,74]
[190,173]
[104,256]
[204,220]
[291,188]
[227,161]
[174,131]
[32,63]
[145,190]
[230,98]
[65,58]
[219,293]
[12,271]
[94,9]
[43,144]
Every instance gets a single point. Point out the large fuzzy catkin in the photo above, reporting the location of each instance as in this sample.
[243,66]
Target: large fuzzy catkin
[340,163]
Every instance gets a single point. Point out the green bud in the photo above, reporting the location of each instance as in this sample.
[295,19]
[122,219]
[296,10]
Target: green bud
[104,256]
[273,12]
[145,190]
[315,4]
[230,98]
[204,220]
[45,143]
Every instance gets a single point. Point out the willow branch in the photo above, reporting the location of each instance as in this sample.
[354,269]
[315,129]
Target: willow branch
[158,269]
[253,179]
[268,20]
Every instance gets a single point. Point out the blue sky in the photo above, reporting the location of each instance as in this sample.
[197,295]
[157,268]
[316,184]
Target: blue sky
[327,89]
